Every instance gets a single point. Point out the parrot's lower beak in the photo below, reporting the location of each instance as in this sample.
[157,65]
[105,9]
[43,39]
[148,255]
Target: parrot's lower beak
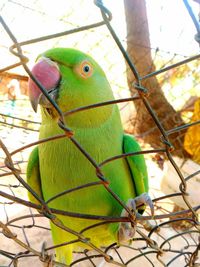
[43,101]
[48,74]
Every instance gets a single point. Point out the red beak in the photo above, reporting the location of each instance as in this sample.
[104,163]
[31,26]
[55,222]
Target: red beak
[48,74]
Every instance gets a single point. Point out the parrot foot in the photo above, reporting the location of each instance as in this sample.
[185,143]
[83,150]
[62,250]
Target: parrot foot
[49,262]
[45,258]
[126,229]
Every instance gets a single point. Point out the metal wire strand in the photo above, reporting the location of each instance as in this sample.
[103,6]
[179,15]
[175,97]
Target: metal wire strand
[151,246]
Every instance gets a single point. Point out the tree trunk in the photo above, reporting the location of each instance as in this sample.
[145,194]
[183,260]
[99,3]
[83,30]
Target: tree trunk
[138,48]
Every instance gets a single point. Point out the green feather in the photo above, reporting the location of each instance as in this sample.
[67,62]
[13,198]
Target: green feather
[33,175]
[62,166]
[136,164]
[137,167]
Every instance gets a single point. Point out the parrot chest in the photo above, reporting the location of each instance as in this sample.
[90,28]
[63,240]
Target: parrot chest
[64,167]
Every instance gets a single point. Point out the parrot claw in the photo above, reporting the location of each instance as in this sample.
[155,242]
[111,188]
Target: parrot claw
[143,199]
[126,229]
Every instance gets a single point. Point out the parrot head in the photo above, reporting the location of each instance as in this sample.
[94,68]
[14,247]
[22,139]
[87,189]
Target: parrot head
[72,79]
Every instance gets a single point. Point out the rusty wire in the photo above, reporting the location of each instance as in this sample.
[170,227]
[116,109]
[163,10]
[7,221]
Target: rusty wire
[146,244]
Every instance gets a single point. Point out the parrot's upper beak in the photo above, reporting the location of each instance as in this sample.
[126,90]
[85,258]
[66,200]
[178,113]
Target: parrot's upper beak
[48,74]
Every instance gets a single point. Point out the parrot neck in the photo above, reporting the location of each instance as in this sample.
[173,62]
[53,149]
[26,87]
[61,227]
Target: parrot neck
[84,119]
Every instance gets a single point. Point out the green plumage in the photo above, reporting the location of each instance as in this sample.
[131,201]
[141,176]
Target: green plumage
[58,165]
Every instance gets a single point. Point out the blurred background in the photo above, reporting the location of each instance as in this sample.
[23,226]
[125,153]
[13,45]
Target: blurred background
[156,34]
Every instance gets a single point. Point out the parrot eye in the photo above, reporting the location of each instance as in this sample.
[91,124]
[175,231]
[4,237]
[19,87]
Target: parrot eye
[84,69]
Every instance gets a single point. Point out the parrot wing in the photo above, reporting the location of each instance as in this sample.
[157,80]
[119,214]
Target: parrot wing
[136,164]
[33,175]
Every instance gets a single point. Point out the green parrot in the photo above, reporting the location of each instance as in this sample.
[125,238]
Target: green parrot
[74,79]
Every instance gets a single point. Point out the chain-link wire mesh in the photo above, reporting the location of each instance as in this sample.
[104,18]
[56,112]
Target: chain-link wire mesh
[27,232]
